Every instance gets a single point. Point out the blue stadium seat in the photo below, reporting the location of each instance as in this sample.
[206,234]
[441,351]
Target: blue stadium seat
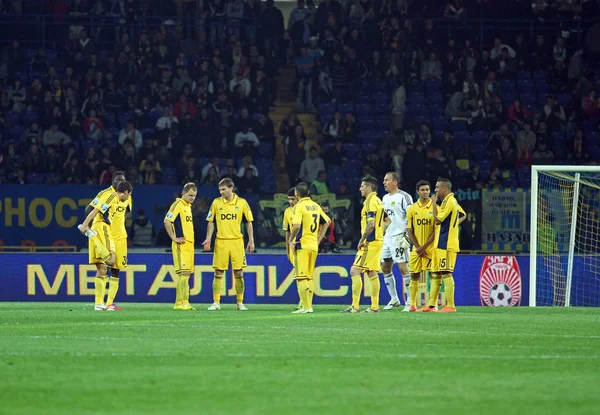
[366,123]
[346,108]
[458,125]
[29,117]
[481,136]
[363,108]
[326,106]
[266,150]
[419,109]
[416,98]
[440,122]
[13,118]
[523,75]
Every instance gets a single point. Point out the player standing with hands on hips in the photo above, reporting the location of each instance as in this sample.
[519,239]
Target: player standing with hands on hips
[227,213]
[396,244]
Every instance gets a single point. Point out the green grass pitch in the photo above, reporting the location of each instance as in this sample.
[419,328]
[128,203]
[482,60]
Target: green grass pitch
[59,358]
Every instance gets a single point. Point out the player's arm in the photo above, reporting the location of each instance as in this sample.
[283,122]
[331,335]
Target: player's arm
[210,229]
[86,223]
[368,229]
[462,215]
[249,227]
[423,248]
[441,213]
[324,224]
[172,214]
[410,231]
[100,204]
[386,221]
[296,222]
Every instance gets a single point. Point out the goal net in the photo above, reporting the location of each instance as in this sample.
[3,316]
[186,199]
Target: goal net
[565,236]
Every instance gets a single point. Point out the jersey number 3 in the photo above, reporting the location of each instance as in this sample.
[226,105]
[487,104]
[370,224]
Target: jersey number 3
[314,225]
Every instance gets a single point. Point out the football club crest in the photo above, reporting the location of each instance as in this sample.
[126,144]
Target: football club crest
[500,282]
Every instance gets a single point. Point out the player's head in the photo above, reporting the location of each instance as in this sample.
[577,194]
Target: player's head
[368,185]
[423,189]
[302,190]
[117,178]
[226,188]
[124,190]
[291,195]
[391,181]
[189,192]
[443,187]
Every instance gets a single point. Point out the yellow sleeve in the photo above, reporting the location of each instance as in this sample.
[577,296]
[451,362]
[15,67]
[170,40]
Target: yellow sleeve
[371,209]
[286,220]
[447,207]
[173,212]
[104,200]
[409,217]
[130,203]
[248,212]
[212,212]
[297,215]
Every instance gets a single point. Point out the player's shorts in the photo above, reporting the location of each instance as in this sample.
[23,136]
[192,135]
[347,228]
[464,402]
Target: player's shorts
[368,258]
[183,257]
[443,260]
[229,249]
[105,239]
[418,263]
[393,250]
[121,254]
[304,263]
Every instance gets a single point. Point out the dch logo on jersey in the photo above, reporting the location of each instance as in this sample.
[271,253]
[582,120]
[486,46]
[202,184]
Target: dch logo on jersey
[500,281]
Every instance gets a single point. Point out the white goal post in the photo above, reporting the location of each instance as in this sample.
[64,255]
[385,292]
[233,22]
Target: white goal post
[564,246]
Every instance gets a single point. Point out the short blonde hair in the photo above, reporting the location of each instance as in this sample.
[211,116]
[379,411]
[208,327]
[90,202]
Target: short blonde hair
[189,186]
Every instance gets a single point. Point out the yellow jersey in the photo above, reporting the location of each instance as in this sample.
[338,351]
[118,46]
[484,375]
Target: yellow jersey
[420,220]
[309,216]
[117,218]
[106,202]
[446,234]
[287,219]
[228,216]
[372,210]
[182,221]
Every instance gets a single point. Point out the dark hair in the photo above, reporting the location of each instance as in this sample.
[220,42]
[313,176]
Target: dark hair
[124,186]
[227,182]
[447,182]
[302,189]
[371,181]
[118,173]
[292,192]
[189,186]
[422,183]
[395,176]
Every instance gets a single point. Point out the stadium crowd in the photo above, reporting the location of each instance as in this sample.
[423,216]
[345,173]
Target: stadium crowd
[401,86]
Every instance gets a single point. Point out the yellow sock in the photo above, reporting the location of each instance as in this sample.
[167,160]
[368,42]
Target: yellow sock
[113,287]
[357,286]
[375,286]
[217,284]
[100,288]
[239,289]
[178,293]
[184,288]
[299,296]
[449,290]
[434,290]
[310,294]
[303,287]
[413,288]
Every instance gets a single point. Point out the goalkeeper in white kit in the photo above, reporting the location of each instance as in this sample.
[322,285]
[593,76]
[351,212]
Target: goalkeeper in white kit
[396,244]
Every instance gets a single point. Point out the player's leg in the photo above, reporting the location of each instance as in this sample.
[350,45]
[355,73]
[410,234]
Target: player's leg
[387,269]
[448,280]
[238,263]
[177,264]
[113,282]
[100,286]
[291,259]
[311,261]
[371,266]
[356,275]
[375,287]
[435,279]
[415,265]
[220,265]
[301,266]
[99,255]
[406,278]
[187,251]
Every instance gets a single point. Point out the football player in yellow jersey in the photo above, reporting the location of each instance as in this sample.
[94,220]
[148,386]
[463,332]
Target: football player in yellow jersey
[447,217]
[287,227]
[373,222]
[179,224]
[421,231]
[310,224]
[227,213]
[101,244]
[119,236]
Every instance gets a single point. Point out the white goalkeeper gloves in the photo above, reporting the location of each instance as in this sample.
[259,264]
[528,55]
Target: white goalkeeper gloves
[404,242]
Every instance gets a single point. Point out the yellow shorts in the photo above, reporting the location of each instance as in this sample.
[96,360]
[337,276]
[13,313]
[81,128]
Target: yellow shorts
[418,263]
[105,238]
[229,249]
[121,254]
[368,258]
[443,260]
[304,263]
[183,257]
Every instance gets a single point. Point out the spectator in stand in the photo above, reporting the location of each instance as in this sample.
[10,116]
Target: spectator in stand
[495,179]
[336,155]
[32,134]
[305,65]
[165,123]
[212,164]
[17,95]
[554,114]
[185,111]
[525,145]
[319,186]
[425,136]
[55,137]
[246,142]
[53,162]
[142,231]
[295,151]
[542,155]
[339,77]
[351,129]
[247,164]
[93,127]
[589,105]
[496,139]
[150,175]
[132,134]
[263,129]
[505,157]
[72,171]
[311,166]
[211,178]
[248,183]
[334,128]
[431,68]
[518,115]
[499,47]
[398,106]
[578,153]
